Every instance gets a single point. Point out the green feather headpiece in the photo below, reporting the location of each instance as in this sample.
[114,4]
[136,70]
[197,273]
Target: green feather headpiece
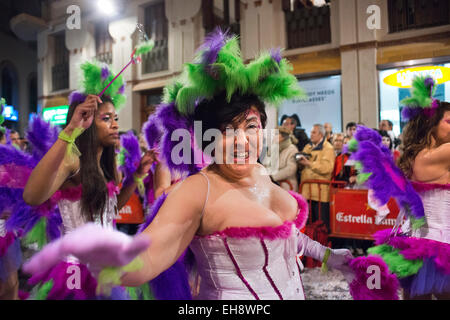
[421,100]
[219,67]
[96,76]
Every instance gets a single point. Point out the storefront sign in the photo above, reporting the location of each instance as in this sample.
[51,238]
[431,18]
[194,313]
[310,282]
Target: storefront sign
[10,113]
[403,78]
[55,115]
[323,103]
[351,216]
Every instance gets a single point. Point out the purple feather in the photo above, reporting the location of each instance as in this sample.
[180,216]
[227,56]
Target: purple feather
[121,89]
[417,248]
[76,97]
[386,180]
[105,73]
[212,44]
[152,130]
[9,154]
[275,53]
[359,290]
[42,135]
[171,284]
[132,156]
[60,277]
[409,113]
[171,120]
[429,82]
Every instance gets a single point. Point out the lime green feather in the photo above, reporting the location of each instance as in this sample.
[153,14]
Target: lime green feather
[353,145]
[144,47]
[396,261]
[420,94]
[171,91]
[44,290]
[363,177]
[92,82]
[37,234]
[417,223]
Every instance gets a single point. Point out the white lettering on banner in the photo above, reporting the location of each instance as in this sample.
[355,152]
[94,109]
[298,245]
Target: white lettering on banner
[125,210]
[361,219]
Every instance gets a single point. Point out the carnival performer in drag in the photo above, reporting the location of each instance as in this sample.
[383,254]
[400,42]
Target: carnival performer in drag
[243,230]
[417,249]
[79,172]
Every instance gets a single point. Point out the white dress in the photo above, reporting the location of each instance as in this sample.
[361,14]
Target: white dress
[252,262]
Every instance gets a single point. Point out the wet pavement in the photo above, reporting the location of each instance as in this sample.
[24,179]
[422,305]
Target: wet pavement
[325,286]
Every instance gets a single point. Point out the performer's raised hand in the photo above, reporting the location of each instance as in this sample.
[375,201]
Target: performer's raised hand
[93,245]
[83,115]
[147,160]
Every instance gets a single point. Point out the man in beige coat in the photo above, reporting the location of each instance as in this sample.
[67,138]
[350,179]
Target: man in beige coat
[319,166]
[286,175]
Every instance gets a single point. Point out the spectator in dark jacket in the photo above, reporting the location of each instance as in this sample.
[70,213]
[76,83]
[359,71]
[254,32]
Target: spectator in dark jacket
[293,123]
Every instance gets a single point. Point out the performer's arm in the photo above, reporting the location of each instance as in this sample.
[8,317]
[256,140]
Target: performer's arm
[172,230]
[439,156]
[144,167]
[161,180]
[336,258]
[51,172]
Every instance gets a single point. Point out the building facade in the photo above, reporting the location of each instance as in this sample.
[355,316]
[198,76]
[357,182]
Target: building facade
[339,51]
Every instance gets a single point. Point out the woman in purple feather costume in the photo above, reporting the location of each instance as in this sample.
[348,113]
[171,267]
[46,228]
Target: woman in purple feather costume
[426,162]
[84,187]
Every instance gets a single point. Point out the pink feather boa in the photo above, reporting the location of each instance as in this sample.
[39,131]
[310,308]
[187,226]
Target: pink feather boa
[423,187]
[60,275]
[417,248]
[74,194]
[359,288]
[280,232]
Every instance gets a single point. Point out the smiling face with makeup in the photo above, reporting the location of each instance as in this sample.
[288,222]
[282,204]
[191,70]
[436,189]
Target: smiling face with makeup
[106,121]
[239,122]
[442,130]
[241,143]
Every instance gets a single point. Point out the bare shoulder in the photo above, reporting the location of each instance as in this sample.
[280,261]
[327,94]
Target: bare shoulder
[191,190]
[433,156]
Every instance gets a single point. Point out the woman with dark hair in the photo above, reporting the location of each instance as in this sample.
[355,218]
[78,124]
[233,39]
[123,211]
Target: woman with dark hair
[387,141]
[417,249]
[79,171]
[293,123]
[242,229]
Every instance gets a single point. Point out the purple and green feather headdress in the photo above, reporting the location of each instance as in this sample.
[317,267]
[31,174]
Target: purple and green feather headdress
[218,67]
[421,100]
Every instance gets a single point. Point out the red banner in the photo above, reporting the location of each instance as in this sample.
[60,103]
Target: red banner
[351,216]
[132,212]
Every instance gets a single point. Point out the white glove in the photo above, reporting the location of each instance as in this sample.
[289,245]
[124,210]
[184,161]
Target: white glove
[338,258]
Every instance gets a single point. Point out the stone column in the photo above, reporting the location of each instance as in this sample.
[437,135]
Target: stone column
[185,31]
[122,32]
[349,61]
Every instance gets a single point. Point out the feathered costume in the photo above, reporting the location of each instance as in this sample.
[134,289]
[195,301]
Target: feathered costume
[39,224]
[417,251]
[218,67]
[223,261]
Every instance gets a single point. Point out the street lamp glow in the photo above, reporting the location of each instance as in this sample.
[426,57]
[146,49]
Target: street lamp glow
[107,7]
